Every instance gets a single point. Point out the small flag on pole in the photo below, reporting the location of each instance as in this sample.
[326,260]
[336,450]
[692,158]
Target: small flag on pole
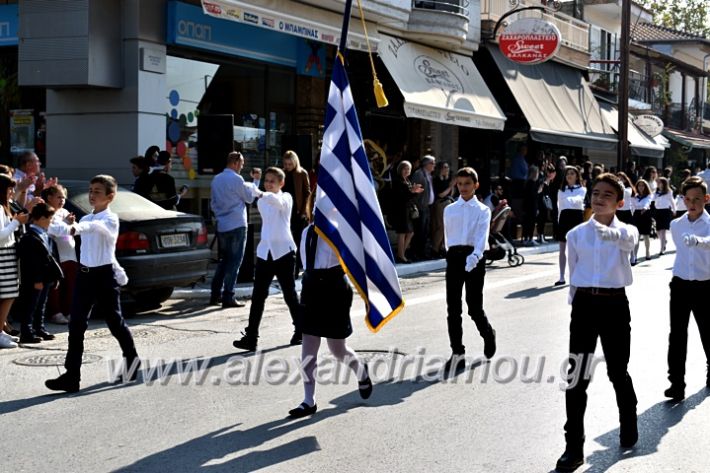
[347,214]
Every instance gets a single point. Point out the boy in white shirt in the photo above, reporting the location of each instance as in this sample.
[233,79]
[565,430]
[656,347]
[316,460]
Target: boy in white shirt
[276,256]
[690,283]
[97,287]
[600,269]
[466,226]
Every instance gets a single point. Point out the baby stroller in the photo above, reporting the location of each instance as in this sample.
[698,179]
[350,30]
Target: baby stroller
[499,246]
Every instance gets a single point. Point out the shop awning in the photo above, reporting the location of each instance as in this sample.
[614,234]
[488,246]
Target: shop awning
[640,143]
[689,140]
[440,86]
[557,103]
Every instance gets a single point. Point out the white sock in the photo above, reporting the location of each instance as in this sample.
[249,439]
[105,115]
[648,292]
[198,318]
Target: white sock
[346,355]
[309,360]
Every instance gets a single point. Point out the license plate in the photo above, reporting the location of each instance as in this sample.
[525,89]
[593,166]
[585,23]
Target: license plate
[174,241]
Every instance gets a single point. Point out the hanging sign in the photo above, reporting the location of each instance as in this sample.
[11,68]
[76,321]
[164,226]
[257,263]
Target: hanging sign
[530,41]
[649,124]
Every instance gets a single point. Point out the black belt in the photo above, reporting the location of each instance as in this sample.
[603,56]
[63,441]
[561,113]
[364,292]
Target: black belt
[96,269]
[602,291]
[325,272]
[460,249]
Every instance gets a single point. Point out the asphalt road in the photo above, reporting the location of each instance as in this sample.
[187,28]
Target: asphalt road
[500,416]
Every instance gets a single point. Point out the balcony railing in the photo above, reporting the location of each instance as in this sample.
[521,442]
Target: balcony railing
[575,33]
[459,7]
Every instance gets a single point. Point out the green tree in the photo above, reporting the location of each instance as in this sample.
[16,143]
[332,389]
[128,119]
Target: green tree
[690,16]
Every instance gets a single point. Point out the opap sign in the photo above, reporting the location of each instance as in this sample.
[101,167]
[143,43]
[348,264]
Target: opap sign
[530,41]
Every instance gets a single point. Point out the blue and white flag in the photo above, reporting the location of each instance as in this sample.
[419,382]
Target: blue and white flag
[347,214]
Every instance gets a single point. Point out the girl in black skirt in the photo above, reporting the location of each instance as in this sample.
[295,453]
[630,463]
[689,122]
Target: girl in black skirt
[665,210]
[624,213]
[570,205]
[326,297]
[642,217]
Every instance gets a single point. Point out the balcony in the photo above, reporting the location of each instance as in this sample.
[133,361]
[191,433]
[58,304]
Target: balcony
[575,33]
[439,22]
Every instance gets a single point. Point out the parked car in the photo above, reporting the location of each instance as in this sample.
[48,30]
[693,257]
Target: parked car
[159,249]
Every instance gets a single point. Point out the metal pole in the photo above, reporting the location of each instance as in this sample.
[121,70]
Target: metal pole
[623,94]
[346,24]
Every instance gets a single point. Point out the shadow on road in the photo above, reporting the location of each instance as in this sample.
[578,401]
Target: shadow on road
[533,292]
[654,424]
[217,451]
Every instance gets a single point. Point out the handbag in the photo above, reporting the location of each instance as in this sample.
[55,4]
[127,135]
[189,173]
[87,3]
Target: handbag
[413,211]
[547,202]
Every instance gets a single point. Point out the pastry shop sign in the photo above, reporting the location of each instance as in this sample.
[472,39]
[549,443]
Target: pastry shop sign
[530,41]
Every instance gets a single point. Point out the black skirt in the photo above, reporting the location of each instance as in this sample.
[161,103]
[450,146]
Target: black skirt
[625,216]
[663,219]
[643,222]
[569,218]
[326,298]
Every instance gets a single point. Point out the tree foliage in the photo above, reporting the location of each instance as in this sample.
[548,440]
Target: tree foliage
[690,16]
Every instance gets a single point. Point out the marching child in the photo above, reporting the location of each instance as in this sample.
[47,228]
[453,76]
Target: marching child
[276,256]
[690,283]
[643,220]
[665,210]
[466,227]
[39,273]
[60,298]
[97,286]
[599,269]
[570,205]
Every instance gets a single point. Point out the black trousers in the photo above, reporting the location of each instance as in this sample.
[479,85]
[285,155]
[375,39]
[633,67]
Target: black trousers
[606,318]
[422,230]
[96,292]
[456,278]
[32,304]
[686,296]
[283,269]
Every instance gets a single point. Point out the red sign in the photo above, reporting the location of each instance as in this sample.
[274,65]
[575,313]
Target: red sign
[530,41]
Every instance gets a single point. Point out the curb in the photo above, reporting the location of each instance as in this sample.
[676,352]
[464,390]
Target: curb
[243,291]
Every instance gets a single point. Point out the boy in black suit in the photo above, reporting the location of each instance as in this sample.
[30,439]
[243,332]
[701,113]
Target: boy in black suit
[39,272]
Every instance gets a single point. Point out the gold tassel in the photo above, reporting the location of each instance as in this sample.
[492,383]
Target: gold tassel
[380,97]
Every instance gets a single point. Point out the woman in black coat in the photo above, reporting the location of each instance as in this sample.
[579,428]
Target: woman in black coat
[403,208]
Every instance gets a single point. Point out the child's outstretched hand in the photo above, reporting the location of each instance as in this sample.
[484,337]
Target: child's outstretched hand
[608,233]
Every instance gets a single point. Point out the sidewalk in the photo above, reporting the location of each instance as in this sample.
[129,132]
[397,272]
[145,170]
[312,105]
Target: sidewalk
[202,290]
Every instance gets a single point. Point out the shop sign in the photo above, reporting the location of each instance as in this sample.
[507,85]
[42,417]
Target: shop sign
[649,124]
[530,41]
[8,25]
[22,131]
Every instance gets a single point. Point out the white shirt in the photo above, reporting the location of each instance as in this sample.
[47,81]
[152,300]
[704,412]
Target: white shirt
[680,203]
[705,175]
[643,203]
[572,199]
[8,225]
[692,263]
[665,201]
[653,185]
[99,233]
[467,222]
[60,232]
[276,238]
[325,256]
[594,262]
[628,197]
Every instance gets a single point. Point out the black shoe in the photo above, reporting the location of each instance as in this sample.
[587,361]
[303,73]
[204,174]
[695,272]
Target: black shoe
[296,339]
[489,344]
[29,339]
[628,431]
[228,303]
[65,382]
[365,386]
[570,460]
[303,410]
[44,335]
[215,300]
[675,392]
[456,363]
[246,343]
[561,282]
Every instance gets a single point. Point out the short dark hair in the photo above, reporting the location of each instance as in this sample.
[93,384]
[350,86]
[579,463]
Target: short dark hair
[468,171]
[694,182]
[278,172]
[107,181]
[613,181]
[41,210]
[52,191]
[234,157]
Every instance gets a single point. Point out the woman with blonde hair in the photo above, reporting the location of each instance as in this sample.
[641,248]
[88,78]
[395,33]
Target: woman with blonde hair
[9,274]
[404,209]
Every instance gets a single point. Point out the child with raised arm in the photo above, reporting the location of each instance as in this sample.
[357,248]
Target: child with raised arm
[600,269]
[98,286]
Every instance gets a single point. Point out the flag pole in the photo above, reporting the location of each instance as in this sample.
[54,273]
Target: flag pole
[346,25]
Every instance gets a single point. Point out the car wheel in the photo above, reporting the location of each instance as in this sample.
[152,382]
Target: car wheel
[148,300]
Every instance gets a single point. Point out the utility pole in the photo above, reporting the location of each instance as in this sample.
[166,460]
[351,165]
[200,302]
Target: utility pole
[623,92]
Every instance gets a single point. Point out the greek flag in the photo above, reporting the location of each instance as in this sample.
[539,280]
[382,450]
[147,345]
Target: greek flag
[347,214]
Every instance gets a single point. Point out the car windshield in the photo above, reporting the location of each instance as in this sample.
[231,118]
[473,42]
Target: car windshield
[125,203]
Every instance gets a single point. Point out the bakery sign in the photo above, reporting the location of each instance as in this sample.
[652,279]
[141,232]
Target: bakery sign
[649,124]
[530,41]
